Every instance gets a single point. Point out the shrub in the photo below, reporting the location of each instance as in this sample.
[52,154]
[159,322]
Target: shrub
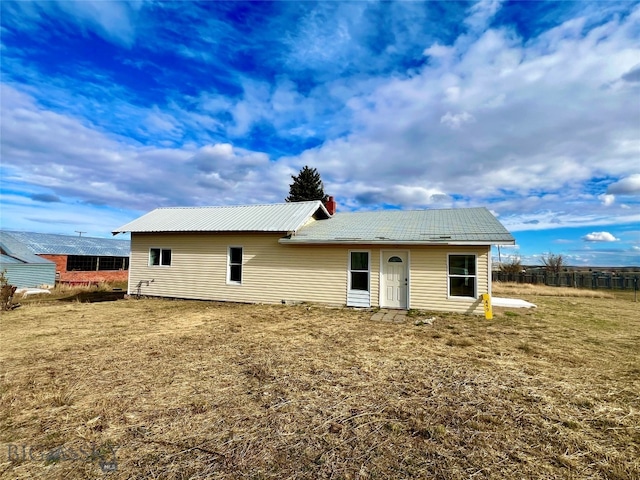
[6,292]
[512,267]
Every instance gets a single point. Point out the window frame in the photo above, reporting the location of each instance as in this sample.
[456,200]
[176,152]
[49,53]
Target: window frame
[82,263]
[351,271]
[230,264]
[161,255]
[450,276]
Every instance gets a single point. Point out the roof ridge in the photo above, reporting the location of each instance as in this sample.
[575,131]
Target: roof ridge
[272,217]
[418,210]
[236,206]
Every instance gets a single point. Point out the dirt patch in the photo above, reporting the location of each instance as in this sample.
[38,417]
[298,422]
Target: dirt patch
[93,297]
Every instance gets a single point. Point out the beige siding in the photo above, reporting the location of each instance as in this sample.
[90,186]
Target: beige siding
[429,279]
[273,272]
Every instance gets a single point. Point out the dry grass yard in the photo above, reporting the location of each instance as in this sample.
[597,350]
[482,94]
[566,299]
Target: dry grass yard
[182,389]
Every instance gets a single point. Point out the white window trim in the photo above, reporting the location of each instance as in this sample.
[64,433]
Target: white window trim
[475,276]
[160,265]
[349,270]
[229,281]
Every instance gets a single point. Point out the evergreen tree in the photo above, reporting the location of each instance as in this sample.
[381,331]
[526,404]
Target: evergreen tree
[306,186]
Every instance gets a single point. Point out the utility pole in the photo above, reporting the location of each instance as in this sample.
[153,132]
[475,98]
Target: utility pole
[79,232]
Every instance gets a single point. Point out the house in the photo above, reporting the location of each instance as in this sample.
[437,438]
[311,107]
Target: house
[305,252]
[76,260]
[22,268]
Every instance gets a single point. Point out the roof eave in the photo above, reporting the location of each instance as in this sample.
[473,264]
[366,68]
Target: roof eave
[164,232]
[362,241]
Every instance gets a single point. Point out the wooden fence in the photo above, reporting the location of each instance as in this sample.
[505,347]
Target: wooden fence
[628,281]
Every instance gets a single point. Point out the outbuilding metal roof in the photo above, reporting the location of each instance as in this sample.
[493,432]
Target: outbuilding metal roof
[279,217]
[14,251]
[8,259]
[52,244]
[451,226]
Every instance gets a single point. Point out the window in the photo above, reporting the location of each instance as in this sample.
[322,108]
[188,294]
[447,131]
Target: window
[462,276]
[160,257]
[113,263]
[359,271]
[90,263]
[235,265]
[82,263]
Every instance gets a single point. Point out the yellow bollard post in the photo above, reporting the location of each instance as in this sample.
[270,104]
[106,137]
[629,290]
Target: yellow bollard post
[488,311]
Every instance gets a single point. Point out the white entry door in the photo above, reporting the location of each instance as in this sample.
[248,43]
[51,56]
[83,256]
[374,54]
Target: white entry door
[395,279]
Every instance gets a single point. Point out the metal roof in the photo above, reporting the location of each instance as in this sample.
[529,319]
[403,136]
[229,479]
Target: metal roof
[279,217]
[52,244]
[451,226]
[14,251]
[8,259]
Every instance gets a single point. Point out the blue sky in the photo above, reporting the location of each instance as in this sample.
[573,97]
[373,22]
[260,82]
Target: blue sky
[531,109]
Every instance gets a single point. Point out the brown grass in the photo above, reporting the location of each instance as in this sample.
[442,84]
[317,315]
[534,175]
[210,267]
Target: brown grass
[183,389]
[509,288]
[101,292]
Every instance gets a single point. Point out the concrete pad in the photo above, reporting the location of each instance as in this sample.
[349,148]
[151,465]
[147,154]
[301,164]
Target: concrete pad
[388,317]
[385,315]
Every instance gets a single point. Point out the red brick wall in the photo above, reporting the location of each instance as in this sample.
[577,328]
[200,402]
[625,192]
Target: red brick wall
[99,276]
[60,261]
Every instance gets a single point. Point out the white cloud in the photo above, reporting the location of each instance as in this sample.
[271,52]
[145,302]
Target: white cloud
[438,51]
[520,125]
[600,237]
[456,120]
[511,101]
[627,186]
[405,195]
[524,220]
[113,21]
[481,12]
[129,175]
[607,199]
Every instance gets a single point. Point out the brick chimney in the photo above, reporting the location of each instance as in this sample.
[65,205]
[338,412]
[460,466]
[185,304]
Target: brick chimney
[331,205]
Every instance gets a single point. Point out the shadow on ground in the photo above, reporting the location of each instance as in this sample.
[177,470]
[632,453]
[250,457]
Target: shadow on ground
[93,297]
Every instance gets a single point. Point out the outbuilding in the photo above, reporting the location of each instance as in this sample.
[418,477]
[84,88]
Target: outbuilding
[305,252]
[22,268]
[75,259]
